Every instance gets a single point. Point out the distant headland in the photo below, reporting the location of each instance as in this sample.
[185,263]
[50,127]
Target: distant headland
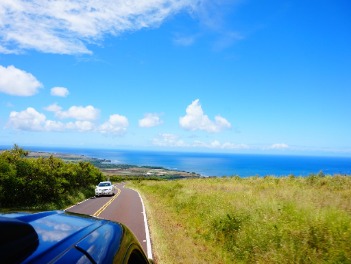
[110,169]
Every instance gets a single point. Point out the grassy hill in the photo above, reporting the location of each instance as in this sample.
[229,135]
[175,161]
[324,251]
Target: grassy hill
[250,220]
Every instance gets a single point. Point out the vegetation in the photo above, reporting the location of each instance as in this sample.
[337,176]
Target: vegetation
[250,220]
[43,183]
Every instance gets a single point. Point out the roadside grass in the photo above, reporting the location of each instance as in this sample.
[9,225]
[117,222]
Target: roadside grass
[250,220]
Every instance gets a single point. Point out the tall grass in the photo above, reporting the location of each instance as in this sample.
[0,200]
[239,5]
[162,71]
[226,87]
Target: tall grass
[250,220]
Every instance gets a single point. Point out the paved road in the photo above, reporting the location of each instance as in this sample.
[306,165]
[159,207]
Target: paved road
[124,207]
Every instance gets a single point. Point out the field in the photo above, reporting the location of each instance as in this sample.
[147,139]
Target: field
[250,220]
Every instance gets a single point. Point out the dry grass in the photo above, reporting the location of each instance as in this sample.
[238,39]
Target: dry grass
[251,220]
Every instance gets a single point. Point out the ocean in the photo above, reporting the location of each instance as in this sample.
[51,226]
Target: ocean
[215,164]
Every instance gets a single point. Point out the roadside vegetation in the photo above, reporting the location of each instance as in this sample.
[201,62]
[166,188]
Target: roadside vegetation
[250,220]
[43,183]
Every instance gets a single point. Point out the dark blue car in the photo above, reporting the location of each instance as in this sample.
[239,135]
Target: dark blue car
[61,237]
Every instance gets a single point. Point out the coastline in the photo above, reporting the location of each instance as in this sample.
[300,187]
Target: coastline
[110,169]
[118,161]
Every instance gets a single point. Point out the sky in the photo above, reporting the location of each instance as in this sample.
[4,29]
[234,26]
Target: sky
[237,76]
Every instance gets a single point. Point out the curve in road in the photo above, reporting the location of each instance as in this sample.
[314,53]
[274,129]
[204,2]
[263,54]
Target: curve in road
[126,207]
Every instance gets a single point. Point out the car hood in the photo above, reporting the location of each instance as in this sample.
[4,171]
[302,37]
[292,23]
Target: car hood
[58,231]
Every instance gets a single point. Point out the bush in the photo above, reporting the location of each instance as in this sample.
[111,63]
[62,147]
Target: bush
[38,182]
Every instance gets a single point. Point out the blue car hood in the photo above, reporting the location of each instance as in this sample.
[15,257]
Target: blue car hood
[59,235]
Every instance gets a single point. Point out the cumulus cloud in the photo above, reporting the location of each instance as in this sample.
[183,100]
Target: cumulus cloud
[195,119]
[53,108]
[82,126]
[59,91]
[51,125]
[117,124]
[79,112]
[17,82]
[31,120]
[66,27]
[150,120]
[28,119]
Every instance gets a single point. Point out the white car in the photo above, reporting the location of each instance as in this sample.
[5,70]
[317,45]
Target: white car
[104,188]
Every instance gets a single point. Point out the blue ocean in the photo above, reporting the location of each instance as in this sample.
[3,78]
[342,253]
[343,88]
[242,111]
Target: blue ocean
[214,164]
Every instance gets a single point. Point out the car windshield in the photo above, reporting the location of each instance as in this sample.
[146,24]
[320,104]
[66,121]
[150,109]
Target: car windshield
[104,184]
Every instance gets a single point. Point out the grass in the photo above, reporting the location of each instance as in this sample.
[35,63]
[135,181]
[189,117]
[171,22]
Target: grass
[250,220]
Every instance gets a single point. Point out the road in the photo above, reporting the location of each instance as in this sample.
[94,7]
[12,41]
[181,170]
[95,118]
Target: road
[125,207]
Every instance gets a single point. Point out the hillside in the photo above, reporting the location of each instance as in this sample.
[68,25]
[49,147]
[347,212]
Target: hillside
[250,220]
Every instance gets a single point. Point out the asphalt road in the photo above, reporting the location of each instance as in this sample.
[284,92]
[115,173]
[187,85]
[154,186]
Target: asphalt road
[125,207]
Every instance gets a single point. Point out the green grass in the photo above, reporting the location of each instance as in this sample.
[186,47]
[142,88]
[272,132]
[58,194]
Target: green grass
[250,220]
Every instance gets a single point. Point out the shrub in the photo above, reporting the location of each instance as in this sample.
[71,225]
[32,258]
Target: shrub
[38,182]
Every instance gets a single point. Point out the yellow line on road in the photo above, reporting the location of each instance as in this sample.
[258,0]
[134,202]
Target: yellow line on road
[98,212]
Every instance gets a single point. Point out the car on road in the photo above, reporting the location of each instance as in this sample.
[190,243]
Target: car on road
[61,237]
[104,188]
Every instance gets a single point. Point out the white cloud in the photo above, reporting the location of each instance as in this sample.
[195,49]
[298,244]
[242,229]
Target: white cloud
[79,112]
[221,122]
[150,120]
[117,124]
[28,119]
[195,119]
[66,27]
[51,125]
[31,120]
[229,145]
[53,108]
[172,140]
[168,140]
[17,82]
[216,144]
[82,126]
[279,146]
[59,91]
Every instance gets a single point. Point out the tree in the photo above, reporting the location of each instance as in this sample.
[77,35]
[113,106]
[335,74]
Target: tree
[38,181]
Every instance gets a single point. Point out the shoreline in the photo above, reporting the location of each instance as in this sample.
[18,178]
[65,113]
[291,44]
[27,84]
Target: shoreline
[200,164]
[111,169]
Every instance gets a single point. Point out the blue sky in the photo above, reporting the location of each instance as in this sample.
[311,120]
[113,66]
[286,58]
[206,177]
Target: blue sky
[231,76]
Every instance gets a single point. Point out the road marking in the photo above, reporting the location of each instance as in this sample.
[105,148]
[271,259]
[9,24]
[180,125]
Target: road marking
[147,232]
[77,204]
[98,212]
